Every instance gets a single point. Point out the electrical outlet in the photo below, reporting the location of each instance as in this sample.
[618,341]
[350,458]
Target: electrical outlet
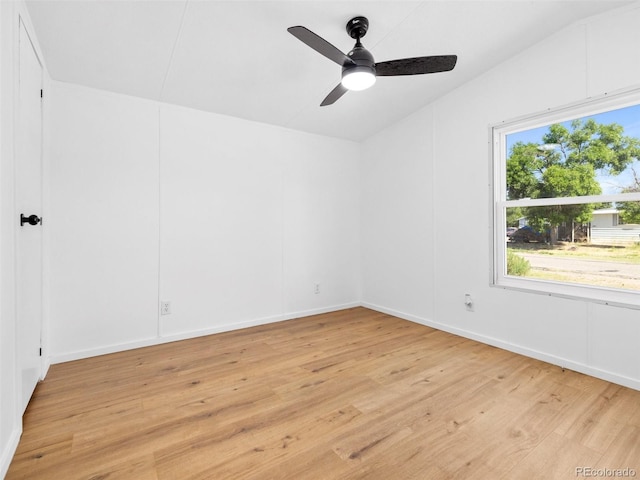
[316,288]
[165,307]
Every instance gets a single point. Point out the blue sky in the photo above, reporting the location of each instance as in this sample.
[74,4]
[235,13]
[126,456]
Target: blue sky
[628,117]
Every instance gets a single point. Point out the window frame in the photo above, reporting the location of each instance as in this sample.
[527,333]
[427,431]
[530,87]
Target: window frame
[499,203]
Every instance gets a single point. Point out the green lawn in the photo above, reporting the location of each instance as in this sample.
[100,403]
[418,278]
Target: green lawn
[625,254]
[629,254]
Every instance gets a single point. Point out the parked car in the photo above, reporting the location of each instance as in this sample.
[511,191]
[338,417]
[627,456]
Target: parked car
[526,235]
[511,231]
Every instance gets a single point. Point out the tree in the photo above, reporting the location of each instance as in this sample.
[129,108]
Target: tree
[565,165]
[514,215]
[630,211]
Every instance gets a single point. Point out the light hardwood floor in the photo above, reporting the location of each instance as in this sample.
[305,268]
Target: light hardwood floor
[353,394]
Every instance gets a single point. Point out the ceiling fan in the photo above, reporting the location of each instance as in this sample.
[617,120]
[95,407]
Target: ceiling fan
[359,71]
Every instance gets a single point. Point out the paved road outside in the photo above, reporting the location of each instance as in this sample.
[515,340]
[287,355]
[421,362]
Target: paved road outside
[591,272]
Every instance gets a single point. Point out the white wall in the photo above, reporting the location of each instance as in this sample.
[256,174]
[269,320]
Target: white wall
[426,206]
[231,221]
[397,217]
[104,219]
[251,217]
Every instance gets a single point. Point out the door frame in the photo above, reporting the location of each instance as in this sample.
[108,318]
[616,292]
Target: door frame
[25,25]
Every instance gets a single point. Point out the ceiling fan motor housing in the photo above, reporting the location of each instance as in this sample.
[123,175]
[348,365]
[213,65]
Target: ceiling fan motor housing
[357,28]
[363,61]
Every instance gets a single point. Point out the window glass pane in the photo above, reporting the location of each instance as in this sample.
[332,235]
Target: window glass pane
[602,252]
[593,155]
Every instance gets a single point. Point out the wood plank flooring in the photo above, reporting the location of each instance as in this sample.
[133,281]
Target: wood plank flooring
[354,394]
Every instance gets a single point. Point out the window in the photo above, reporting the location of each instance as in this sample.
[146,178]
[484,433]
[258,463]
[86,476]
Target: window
[566,197]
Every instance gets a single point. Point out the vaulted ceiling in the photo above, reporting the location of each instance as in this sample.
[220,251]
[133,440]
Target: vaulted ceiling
[237,58]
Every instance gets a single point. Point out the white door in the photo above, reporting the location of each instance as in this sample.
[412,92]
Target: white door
[28,195]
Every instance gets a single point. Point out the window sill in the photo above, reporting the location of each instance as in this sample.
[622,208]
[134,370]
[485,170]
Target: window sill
[604,296]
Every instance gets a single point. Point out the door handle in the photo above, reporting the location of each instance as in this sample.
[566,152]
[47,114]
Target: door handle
[31,220]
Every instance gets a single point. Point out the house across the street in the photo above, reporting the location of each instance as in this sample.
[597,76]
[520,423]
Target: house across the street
[606,228]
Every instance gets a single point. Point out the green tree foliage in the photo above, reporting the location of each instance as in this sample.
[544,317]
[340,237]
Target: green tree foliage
[565,165]
[630,211]
[514,215]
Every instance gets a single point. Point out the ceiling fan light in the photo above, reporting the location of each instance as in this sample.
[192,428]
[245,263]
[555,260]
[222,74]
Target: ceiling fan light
[358,79]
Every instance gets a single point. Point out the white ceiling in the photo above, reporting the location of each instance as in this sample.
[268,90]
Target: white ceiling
[237,58]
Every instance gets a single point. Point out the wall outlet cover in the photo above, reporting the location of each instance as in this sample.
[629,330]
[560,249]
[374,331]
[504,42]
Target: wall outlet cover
[165,307]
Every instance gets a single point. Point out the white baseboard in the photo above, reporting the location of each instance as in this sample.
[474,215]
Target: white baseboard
[147,342]
[496,342]
[528,352]
[9,450]
[318,311]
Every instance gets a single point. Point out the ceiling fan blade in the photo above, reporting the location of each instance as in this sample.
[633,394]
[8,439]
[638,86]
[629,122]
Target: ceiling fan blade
[334,95]
[416,65]
[320,45]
